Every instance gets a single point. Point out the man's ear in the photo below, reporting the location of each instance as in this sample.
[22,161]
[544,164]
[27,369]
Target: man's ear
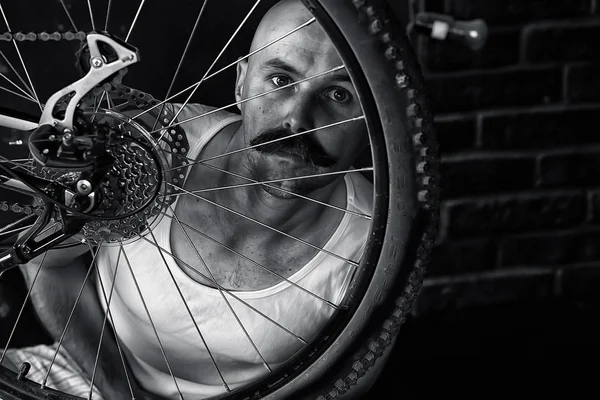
[242,67]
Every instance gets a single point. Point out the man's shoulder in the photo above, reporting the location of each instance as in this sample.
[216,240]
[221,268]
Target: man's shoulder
[196,119]
[362,189]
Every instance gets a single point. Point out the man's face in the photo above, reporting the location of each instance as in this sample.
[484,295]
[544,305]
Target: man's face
[304,106]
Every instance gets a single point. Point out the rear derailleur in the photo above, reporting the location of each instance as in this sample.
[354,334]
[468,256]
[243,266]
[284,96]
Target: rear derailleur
[68,143]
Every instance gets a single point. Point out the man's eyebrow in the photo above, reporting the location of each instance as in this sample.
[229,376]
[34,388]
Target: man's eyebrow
[342,78]
[277,63]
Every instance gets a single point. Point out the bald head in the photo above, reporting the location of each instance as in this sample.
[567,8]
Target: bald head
[307,51]
[282,18]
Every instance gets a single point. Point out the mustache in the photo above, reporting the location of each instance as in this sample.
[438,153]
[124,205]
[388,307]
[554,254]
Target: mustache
[301,145]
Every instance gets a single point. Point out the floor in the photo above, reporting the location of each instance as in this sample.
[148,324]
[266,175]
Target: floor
[532,350]
[460,353]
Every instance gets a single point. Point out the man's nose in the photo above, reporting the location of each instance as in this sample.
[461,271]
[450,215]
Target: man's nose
[298,113]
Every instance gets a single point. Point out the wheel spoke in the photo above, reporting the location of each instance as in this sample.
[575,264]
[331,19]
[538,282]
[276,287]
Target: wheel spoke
[362,117]
[97,105]
[216,59]
[14,70]
[102,98]
[25,94]
[204,235]
[162,349]
[212,279]
[16,164]
[91,15]
[109,103]
[69,15]
[354,263]
[108,100]
[17,94]
[265,183]
[18,182]
[224,68]
[14,42]
[107,14]
[93,107]
[248,99]
[180,63]
[64,332]
[12,231]
[22,160]
[189,312]
[14,328]
[5,232]
[112,288]
[310,21]
[25,97]
[137,14]
[112,321]
[221,288]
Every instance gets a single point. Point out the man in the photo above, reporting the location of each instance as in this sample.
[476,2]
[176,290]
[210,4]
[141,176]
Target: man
[207,315]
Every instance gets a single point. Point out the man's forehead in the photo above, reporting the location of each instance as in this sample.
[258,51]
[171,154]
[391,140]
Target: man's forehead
[299,44]
[282,64]
[298,60]
[308,45]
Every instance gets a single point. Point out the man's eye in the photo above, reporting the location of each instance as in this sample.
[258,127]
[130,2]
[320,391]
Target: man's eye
[280,80]
[339,95]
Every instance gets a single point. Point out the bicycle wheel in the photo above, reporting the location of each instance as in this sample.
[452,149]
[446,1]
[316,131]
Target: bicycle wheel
[116,161]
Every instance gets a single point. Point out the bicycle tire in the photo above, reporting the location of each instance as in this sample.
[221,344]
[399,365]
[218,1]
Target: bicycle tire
[380,60]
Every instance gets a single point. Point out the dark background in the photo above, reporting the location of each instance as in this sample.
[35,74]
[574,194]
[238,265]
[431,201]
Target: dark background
[513,289]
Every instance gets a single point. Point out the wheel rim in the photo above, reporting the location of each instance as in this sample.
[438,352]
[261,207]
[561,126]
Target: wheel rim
[372,251]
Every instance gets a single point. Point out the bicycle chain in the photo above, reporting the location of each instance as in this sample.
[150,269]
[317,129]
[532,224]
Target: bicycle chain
[20,209]
[43,36]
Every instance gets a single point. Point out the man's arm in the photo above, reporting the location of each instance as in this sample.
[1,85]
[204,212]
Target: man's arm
[53,296]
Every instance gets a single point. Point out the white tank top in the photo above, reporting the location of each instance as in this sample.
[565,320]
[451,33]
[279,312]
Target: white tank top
[234,354]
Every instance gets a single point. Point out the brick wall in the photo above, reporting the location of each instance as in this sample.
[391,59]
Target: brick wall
[520,144]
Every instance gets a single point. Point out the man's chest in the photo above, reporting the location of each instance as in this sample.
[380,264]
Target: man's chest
[234,254]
